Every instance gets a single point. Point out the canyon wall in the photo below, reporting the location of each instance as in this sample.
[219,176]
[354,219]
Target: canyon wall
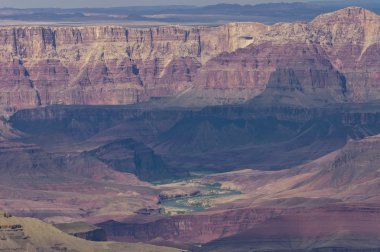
[106,64]
[336,57]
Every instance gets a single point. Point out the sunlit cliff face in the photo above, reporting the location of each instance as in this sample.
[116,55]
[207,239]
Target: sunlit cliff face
[335,54]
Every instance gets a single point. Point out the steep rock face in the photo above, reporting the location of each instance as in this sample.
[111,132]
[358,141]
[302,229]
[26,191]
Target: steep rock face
[351,38]
[120,65]
[344,42]
[285,68]
[104,64]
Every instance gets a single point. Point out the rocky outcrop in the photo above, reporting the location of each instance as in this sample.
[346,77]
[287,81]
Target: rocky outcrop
[334,55]
[83,230]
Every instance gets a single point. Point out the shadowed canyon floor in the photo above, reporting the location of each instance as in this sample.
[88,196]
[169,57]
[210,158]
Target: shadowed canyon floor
[302,162]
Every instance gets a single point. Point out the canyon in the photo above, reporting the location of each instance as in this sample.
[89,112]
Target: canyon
[239,137]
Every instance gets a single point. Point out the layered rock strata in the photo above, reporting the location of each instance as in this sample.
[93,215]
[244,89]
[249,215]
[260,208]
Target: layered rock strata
[335,58]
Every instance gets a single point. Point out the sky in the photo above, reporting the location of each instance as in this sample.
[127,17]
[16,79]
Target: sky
[117,3]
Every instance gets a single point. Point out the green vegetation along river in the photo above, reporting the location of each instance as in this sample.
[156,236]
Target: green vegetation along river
[198,202]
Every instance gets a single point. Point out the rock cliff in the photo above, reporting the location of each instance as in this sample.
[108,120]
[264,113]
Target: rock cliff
[107,64]
[336,53]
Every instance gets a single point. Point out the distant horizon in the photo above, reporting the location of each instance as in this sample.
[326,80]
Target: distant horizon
[83,4]
[69,4]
